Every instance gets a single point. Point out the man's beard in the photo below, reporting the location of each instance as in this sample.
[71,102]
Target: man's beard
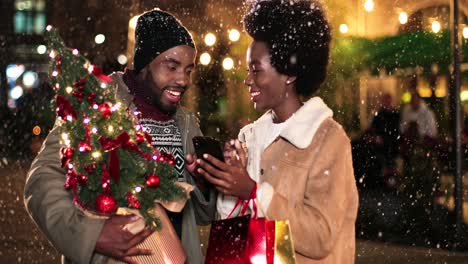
[154,94]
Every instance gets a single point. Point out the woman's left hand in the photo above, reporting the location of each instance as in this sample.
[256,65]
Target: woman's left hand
[230,179]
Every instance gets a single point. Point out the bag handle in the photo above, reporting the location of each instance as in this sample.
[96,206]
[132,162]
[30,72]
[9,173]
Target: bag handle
[245,203]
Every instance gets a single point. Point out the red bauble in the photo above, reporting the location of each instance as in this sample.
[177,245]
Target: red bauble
[82,179]
[152,180]
[133,200]
[91,96]
[105,204]
[71,181]
[68,153]
[139,138]
[84,146]
[105,110]
[90,167]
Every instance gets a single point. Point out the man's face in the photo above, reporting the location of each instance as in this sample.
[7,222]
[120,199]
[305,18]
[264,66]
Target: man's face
[169,74]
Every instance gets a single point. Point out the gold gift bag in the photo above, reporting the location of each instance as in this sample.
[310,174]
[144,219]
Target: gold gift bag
[164,243]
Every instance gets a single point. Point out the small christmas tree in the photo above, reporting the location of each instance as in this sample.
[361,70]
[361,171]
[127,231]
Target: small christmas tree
[109,158]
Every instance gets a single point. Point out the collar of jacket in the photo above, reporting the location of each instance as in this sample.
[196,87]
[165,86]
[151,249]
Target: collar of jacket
[122,94]
[300,128]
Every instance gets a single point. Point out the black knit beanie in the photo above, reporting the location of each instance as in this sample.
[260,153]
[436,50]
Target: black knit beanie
[156,32]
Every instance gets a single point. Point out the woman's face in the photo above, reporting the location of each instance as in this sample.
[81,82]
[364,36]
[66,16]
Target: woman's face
[267,87]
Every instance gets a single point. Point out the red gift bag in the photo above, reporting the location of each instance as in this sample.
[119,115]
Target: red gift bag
[249,240]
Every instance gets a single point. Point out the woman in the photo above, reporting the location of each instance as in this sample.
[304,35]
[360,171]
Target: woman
[299,159]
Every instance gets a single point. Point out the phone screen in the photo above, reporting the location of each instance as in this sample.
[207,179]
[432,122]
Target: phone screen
[208,145]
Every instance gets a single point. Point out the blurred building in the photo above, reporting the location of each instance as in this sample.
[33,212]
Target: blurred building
[378,19]
[103,31]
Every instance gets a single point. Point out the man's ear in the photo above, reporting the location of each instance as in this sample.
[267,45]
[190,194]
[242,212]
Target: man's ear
[291,80]
[143,73]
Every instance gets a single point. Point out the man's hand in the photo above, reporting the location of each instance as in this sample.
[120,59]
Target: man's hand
[191,166]
[121,244]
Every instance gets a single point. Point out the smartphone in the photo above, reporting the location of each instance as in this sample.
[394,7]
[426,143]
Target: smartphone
[208,145]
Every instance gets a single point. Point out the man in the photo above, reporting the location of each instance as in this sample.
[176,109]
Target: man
[163,60]
[385,127]
[418,112]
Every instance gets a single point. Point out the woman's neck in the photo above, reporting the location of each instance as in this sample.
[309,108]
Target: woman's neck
[284,111]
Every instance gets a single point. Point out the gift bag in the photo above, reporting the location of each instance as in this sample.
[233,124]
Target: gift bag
[164,243]
[250,240]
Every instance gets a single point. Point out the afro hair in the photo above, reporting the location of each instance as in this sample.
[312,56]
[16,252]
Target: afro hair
[298,36]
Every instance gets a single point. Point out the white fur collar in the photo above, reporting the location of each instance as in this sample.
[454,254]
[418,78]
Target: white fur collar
[300,128]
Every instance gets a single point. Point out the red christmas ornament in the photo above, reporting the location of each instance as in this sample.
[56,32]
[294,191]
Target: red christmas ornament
[67,154]
[90,167]
[82,179]
[64,108]
[71,181]
[148,138]
[80,84]
[133,200]
[166,157]
[91,96]
[152,180]
[58,63]
[105,110]
[139,138]
[105,204]
[84,146]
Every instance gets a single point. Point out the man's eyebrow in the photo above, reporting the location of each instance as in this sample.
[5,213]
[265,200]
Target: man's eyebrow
[172,60]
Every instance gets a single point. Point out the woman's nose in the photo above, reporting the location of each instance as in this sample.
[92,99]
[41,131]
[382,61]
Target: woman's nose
[248,80]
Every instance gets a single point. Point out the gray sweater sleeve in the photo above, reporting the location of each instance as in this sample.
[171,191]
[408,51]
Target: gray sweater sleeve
[51,206]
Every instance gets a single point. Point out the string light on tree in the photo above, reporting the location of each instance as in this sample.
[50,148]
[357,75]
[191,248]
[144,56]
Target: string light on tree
[137,188]
[96,154]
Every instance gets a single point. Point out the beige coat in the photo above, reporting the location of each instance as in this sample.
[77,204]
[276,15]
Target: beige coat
[72,233]
[306,176]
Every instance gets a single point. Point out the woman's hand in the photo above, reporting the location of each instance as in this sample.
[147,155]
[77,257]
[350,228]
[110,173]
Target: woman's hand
[228,178]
